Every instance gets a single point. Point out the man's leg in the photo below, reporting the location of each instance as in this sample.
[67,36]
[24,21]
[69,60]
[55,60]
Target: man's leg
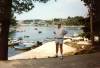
[61,49]
[57,47]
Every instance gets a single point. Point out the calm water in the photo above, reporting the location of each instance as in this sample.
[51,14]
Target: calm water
[46,32]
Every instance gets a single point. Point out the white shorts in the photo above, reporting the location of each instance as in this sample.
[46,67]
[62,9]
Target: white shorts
[60,41]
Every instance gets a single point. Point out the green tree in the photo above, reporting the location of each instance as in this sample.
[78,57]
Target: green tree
[20,6]
[86,27]
[77,20]
[56,21]
[49,22]
[13,20]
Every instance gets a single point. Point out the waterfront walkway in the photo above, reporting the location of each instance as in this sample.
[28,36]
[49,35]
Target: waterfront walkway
[77,61]
[44,51]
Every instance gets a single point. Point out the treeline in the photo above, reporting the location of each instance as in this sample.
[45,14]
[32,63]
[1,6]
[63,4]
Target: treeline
[69,21]
[77,20]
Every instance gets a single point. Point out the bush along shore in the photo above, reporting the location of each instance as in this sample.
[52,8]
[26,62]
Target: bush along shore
[81,48]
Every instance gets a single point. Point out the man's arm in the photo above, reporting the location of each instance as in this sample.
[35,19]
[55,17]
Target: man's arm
[65,32]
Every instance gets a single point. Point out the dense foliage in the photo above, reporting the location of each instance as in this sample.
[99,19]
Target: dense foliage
[19,6]
[70,21]
[77,20]
[13,20]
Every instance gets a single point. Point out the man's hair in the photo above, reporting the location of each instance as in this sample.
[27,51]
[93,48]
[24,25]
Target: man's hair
[59,24]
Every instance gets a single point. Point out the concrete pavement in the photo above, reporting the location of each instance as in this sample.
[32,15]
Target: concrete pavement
[76,61]
[44,51]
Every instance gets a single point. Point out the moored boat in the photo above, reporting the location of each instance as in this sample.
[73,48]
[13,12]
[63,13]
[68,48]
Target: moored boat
[24,46]
[40,32]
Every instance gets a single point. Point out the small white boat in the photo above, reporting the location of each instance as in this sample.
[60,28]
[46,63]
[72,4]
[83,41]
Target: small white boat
[77,38]
[84,42]
[13,42]
[24,46]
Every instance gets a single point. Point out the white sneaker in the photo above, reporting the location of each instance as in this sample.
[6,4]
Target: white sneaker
[61,57]
[55,56]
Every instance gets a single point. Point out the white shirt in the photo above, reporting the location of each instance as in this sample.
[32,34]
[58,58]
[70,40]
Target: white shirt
[59,32]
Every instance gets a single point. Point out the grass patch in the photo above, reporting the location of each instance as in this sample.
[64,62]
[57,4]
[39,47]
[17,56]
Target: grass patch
[81,49]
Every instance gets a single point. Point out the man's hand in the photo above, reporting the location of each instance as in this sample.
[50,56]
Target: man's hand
[54,32]
[65,32]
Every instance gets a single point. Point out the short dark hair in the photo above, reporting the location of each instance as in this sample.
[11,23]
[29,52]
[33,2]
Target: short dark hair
[59,23]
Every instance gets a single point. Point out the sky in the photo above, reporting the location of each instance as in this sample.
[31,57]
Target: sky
[52,9]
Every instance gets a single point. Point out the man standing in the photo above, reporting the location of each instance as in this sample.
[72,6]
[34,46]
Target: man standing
[59,37]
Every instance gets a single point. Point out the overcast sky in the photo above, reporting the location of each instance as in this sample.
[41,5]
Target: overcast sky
[52,9]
